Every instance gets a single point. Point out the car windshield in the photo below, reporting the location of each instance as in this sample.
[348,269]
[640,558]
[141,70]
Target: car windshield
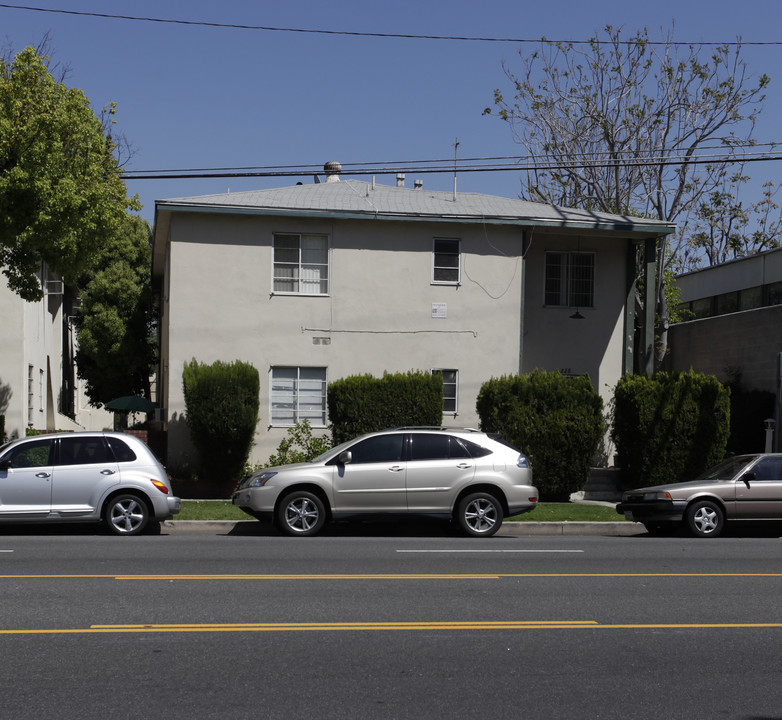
[728,468]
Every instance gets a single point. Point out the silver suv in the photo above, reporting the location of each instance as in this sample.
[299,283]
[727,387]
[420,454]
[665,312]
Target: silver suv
[469,476]
[83,477]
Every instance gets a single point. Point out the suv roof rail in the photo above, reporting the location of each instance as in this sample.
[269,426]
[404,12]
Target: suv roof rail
[432,427]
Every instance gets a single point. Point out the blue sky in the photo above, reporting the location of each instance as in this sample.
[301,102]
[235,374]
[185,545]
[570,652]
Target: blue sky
[203,97]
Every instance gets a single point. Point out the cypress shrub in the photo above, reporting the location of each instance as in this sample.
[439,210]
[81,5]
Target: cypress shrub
[362,403]
[221,405]
[670,427]
[557,421]
[2,429]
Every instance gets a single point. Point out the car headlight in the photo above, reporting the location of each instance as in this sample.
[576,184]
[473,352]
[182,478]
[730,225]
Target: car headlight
[658,495]
[261,480]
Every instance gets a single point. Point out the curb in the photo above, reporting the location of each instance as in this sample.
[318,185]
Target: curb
[508,529]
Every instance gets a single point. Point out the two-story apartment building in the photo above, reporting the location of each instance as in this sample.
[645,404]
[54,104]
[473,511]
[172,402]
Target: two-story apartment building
[312,283]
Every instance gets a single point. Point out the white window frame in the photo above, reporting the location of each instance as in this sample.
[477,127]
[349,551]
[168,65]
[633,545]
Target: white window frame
[302,266]
[446,268]
[291,403]
[569,295]
[454,397]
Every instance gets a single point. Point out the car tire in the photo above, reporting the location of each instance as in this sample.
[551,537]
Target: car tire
[126,514]
[705,518]
[301,514]
[479,514]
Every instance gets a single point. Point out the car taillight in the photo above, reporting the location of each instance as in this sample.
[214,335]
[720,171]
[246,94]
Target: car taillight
[160,486]
[532,499]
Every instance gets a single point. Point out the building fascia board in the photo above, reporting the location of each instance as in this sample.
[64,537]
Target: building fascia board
[629,228]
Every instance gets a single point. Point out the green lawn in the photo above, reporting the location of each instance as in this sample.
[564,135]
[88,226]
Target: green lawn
[544,512]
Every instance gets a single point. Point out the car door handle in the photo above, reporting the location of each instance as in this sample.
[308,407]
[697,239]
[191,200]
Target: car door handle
[396,468]
[43,474]
[464,466]
[107,472]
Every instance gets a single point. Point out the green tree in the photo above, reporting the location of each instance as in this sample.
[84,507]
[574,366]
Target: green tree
[117,347]
[616,127]
[61,191]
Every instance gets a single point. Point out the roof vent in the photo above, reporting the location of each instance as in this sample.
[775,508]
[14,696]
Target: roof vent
[418,184]
[332,170]
[400,179]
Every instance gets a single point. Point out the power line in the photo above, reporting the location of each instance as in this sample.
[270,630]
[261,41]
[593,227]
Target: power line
[347,33]
[464,166]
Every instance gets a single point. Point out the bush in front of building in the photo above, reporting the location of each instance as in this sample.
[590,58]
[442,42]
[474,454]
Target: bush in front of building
[221,410]
[557,421]
[362,403]
[669,427]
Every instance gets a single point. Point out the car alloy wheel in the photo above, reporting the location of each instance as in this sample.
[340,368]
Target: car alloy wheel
[705,518]
[301,513]
[126,515]
[479,514]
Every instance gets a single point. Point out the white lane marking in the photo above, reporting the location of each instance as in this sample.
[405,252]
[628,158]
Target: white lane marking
[6,550]
[490,551]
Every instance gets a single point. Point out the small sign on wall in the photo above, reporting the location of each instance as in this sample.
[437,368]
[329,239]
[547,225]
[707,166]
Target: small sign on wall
[439,310]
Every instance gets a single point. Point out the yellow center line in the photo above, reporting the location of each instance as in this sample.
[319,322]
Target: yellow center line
[386,626]
[385,576]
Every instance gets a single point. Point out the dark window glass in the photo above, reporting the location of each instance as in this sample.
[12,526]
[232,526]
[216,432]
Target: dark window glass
[459,449]
[35,453]
[381,448]
[83,451]
[769,468]
[446,261]
[430,447]
[474,449]
[122,453]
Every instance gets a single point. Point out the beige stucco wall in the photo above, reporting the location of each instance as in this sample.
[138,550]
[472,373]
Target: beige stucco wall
[593,346]
[744,343]
[218,305]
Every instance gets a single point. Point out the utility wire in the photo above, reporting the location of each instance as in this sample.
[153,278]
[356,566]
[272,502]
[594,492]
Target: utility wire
[404,36]
[296,171]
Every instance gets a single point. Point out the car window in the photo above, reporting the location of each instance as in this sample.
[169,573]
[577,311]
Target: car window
[122,453]
[476,450]
[769,468]
[432,446]
[381,448]
[83,451]
[429,447]
[36,453]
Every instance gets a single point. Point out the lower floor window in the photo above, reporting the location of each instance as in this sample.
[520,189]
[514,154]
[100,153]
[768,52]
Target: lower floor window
[450,385]
[297,394]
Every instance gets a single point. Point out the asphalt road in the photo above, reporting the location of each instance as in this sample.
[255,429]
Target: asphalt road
[389,623]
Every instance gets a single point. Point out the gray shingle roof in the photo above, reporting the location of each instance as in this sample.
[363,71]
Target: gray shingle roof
[356,199]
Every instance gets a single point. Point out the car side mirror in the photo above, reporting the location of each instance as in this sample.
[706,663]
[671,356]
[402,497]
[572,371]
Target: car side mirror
[746,477]
[5,465]
[345,457]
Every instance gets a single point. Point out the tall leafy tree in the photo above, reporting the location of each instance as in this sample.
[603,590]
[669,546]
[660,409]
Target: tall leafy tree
[61,191]
[116,323]
[616,126]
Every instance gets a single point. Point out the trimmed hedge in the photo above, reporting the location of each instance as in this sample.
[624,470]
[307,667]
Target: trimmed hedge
[362,403]
[221,405]
[670,427]
[557,421]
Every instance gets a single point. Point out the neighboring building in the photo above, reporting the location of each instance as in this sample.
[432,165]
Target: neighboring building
[312,283]
[38,384]
[736,328]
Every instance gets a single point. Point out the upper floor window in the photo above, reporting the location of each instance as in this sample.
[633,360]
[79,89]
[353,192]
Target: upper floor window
[570,279]
[301,264]
[446,267]
[298,393]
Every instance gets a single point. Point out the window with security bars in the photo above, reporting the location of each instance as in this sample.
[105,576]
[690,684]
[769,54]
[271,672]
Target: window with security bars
[570,279]
[298,394]
[450,386]
[301,264]
[446,263]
